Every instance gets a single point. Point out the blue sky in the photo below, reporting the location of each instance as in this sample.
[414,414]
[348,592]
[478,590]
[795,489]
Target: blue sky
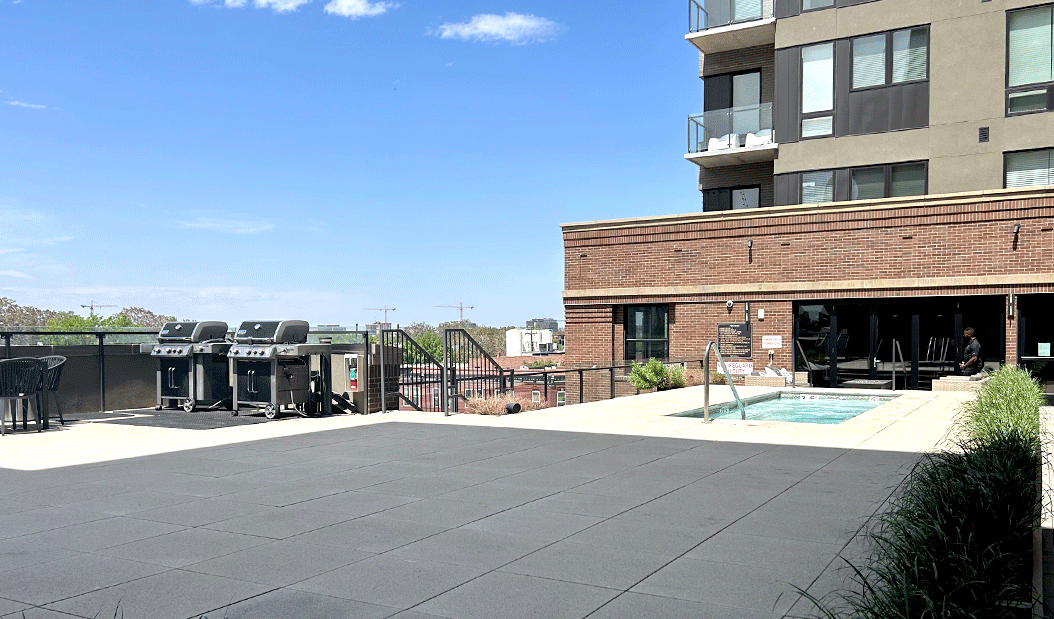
[248,159]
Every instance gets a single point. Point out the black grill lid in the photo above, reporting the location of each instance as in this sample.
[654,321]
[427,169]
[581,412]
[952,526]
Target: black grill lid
[272,332]
[192,331]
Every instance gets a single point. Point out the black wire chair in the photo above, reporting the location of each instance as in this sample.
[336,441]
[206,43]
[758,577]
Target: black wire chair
[20,383]
[50,379]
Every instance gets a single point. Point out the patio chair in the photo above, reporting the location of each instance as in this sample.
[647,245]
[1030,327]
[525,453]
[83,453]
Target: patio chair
[20,382]
[50,379]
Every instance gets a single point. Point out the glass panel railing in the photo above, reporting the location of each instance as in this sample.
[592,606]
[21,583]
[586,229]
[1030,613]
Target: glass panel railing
[713,13]
[737,127]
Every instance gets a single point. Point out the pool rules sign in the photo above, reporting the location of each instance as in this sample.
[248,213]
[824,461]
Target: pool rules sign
[733,340]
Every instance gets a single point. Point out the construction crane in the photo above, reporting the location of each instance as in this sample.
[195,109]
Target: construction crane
[460,307]
[384,309]
[91,307]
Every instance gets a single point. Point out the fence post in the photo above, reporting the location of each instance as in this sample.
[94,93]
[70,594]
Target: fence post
[581,387]
[443,403]
[384,396]
[102,372]
[7,346]
[612,383]
[545,381]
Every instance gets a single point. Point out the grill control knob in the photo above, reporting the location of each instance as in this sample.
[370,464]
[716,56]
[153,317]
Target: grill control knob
[179,350]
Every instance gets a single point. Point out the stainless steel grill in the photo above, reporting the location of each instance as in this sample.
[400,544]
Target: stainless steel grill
[274,368]
[192,365]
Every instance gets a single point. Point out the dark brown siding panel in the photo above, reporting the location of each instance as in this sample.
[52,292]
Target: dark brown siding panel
[786,188]
[743,175]
[786,102]
[842,187]
[915,99]
[843,81]
[868,111]
[786,8]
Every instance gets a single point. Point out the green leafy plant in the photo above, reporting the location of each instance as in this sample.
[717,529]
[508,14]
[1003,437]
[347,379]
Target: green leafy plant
[655,375]
[1008,401]
[956,540]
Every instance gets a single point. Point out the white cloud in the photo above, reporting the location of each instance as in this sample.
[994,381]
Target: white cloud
[33,106]
[17,274]
[278,6]
[359,8]
[229,226]
[515,28]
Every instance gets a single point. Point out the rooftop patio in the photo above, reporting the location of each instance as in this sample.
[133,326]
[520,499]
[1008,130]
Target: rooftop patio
[609,509]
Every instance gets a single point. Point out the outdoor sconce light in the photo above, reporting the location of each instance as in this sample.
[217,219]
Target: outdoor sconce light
[750,243]
[1011,301]
[1017,231]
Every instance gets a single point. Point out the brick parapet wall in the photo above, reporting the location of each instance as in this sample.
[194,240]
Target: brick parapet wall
[884,241]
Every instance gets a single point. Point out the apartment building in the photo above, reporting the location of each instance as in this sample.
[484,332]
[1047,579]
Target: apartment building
[875,176]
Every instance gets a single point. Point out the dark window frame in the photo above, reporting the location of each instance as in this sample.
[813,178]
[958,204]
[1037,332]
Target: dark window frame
[731,189]
[803,116]
[887,169]
[889,58]
[1022,150]
[834,179]
[1049,85]
[626,339]
[802,10]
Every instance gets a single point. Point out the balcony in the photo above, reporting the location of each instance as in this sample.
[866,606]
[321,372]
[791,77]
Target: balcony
[731,136]
[723,25]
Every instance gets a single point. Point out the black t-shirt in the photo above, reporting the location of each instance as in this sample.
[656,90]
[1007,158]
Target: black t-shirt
[973,349]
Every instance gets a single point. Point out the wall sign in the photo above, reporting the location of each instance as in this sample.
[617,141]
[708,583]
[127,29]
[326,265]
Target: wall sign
[733,340]
[769,342]
[737,368]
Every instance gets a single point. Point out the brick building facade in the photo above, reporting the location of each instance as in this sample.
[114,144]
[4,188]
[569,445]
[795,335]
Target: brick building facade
[956,256]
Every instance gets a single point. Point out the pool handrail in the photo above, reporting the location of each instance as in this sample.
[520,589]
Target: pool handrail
[711,345]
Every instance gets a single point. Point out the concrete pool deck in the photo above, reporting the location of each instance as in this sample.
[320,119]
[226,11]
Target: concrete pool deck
[603,510]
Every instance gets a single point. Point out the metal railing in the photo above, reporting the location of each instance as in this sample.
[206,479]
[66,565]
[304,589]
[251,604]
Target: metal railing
[736,127]
[44,340]
[714,13]
[706,383]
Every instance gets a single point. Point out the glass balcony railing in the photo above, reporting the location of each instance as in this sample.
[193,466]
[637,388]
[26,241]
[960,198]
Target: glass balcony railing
[713,13]
[736,127]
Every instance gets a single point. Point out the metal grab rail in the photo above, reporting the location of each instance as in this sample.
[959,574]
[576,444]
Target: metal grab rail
[711,345]
[903,364]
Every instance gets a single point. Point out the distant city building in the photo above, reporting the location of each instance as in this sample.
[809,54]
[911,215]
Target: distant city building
[375,328]
[551,324]
[529,342]
[331,328]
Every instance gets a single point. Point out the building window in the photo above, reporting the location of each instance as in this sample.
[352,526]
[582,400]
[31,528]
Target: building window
[809,5]
[647,332]
[415,396]
[874,65]
[729,199]
[1030,60]
[817,90]
[561,398]
[1033,168]
[888,181]
[435,398]
[817,187]
[536,396]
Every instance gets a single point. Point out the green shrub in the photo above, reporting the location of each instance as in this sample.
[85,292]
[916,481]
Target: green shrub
[956,541]
[655,375]
[1009,400]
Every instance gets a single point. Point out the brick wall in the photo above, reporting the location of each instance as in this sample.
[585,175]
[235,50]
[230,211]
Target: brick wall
[887,248]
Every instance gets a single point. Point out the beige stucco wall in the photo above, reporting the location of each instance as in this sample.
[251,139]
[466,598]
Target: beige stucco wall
[967,92]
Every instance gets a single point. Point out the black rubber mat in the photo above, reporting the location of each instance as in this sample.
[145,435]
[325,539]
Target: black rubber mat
[166,418]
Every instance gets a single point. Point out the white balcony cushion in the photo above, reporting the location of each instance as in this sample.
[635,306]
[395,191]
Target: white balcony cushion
[759,138]
[726,141]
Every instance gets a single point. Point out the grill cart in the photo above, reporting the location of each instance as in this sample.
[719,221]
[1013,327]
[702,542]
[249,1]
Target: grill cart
[192,365]
[272,366]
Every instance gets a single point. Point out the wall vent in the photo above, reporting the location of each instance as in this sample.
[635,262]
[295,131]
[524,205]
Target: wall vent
[982,134]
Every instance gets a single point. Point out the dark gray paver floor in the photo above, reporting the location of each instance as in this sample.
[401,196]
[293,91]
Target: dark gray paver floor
[420,521]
